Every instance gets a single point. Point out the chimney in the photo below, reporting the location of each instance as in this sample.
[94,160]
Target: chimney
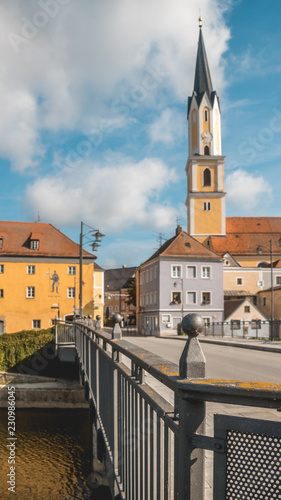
[178,230]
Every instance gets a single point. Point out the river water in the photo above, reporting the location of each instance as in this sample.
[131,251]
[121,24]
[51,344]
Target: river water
[53,456]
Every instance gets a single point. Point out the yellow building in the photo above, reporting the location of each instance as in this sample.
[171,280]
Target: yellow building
[39,277]
[248,245]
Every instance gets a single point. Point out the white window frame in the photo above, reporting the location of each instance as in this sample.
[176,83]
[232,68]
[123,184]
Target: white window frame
[151,274]
[176,291]
[276,278]
[30,292]
[191,303]
[31,269]
[195,277]
[36,327]
[34,244]
[71,292]
[70,269]
[210,293]
[202,272]
[155,272]
[166,320]
[208,319]
[172,272]
[242,281]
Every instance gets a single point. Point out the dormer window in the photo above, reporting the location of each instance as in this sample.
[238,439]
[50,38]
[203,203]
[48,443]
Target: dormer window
[1,243]
[34,244]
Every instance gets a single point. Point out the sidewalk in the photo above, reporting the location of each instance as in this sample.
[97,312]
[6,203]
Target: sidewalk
[259,345]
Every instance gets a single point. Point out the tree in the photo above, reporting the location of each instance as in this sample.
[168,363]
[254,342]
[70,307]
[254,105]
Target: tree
[132,293]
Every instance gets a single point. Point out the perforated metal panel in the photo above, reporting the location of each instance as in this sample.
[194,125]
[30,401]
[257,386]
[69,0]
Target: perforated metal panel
[251,466]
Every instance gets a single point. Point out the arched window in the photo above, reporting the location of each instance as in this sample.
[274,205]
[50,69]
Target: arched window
[206,150]
[207,179]
[263,263]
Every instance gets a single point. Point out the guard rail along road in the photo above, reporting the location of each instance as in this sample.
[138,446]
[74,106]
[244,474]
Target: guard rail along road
[156,450]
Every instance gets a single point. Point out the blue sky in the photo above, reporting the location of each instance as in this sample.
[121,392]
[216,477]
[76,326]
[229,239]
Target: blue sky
[93,113]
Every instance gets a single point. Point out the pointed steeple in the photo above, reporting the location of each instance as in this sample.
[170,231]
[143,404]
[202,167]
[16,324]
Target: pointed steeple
[202,81]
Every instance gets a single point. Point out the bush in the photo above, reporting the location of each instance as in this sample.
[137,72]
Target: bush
[179,330]
[19,346]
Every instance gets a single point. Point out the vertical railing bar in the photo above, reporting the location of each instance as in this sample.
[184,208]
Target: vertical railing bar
[137,431]
[167,462]
[176,447]
[126,440]
[151,452]
[142,436]
[123,432]
[133,433]
[129,442]
[158,456]
[146,452]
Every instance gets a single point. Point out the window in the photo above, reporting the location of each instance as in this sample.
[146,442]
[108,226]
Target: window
[147,276]
[227,262]
[176,271]
[205,115]
[206,272]
[1,243]
[191,272]
[256,324]
[30,292]
[146,299]
[116,308]
[72,270]
[151,298]
[155,272]
[239,281]
[207,175]
[116,297]
[235,324]
[206,153]
[34,244]
[206,298]
[155,297]
[264,301]
[71,292]
[191,297]
[166,318]
[1,293]
[278,280]
[151,274]
[1,268]
[36,324]
[30,269]
[110,309]
[247,309]
[176,297]
[207,322]
[255,300]
[207,206]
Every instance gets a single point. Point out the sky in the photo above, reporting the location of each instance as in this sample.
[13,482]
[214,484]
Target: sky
[93,100]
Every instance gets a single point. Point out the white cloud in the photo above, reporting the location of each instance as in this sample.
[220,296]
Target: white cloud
[245,190]
[113,197]
[95,61]
[168,127]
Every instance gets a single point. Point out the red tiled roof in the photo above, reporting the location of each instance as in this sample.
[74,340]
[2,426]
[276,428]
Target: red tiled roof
[230,306]
[245,234]
[183,245]
[52,243]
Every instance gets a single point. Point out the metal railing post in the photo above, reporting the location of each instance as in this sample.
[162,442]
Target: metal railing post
[190,460]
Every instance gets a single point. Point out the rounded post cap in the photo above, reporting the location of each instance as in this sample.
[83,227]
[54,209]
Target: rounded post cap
[117,318]
[98,317]
[192,324]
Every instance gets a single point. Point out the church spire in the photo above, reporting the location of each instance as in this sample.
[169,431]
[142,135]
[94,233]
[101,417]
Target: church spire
[202,81]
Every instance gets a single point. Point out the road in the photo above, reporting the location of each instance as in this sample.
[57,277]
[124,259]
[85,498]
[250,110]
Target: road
[223,362]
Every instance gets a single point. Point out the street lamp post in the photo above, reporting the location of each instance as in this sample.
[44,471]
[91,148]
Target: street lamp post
[98,236]
[259,250]
[175,286]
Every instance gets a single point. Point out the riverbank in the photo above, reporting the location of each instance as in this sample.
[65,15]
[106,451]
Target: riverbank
[41,392]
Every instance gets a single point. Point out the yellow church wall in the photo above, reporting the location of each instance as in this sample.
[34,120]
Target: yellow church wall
[251,261]
[18,311]
[207,222]
[214,179]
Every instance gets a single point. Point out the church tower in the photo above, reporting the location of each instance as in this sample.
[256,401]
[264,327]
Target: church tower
[205,165]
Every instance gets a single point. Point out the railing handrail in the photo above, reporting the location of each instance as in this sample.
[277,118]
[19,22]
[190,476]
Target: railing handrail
[260,394]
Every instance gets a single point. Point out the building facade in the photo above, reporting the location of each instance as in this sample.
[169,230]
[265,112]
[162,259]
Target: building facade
[116,293]
[181,277]
[39,276]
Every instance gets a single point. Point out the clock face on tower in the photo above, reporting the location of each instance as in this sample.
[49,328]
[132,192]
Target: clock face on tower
[206,137]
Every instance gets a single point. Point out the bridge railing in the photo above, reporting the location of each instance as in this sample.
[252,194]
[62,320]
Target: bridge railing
[156,449]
